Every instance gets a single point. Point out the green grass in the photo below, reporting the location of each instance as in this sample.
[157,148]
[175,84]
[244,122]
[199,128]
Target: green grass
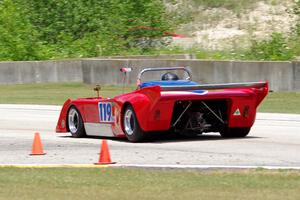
[57,93]
[53,93]
[117,183]
[281,102]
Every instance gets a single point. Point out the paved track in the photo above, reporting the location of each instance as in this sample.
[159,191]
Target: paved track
[273,141]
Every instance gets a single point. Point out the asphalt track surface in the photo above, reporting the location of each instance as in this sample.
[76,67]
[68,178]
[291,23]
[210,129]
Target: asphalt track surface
[274,141]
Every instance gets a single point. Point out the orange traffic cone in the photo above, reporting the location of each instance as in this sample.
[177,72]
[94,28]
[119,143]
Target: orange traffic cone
[37,147]
[104,158]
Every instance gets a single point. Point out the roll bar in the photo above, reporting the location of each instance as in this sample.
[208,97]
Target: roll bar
[187,71]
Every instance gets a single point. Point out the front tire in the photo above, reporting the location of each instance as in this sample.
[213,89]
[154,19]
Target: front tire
[235,132]
[132,129]
[75,123]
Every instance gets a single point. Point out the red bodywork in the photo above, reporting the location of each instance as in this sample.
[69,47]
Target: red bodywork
[154,107]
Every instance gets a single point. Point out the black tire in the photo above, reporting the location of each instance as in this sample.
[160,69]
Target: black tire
[75,123]
[235,132]
[132,129]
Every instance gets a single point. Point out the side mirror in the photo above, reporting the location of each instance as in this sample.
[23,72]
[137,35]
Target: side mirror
[126,69]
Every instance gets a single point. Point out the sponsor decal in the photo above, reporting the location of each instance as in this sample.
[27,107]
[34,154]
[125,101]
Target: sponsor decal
[237,112]
[200,91]
[106,111]
[194,92]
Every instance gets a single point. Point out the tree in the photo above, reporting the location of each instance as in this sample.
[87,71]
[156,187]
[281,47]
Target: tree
[18,38]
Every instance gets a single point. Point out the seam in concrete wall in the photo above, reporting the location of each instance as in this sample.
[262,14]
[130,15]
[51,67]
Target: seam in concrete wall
[296,76]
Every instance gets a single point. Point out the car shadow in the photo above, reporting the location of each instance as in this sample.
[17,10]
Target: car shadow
[179,138]
[169,138]
[96,137]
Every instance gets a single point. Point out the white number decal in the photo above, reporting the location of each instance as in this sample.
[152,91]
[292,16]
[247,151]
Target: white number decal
[105,112]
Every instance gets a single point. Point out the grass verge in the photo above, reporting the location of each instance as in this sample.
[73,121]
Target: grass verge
[118,183]
[53,93]
[281,102]
[57,93]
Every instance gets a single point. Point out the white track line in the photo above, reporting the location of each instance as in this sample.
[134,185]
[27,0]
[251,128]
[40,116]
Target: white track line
[53,165]
[209,166]
[203,167]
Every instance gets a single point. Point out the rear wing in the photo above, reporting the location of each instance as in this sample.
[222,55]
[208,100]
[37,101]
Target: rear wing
[216,86]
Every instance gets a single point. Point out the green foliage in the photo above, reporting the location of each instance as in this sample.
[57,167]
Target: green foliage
[275,48]
[18,38]
[40,29]
[295,36]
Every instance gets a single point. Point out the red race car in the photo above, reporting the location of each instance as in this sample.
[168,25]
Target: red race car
[169,104]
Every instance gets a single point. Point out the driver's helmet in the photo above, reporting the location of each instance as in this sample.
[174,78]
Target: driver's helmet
[169,77]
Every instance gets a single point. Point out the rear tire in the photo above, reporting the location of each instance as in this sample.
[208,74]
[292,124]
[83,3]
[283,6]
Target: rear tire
[132,129]
[75,123]
[235,132]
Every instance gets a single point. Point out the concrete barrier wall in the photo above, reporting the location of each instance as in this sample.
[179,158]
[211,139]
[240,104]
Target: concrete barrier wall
[283,76]
[40,71]
[280,74]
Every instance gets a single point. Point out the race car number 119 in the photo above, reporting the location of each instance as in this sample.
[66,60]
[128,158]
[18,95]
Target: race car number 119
[105,111]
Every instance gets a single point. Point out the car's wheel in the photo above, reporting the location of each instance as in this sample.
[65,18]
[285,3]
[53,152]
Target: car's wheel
[235,132]
[75,123]
[132,129]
